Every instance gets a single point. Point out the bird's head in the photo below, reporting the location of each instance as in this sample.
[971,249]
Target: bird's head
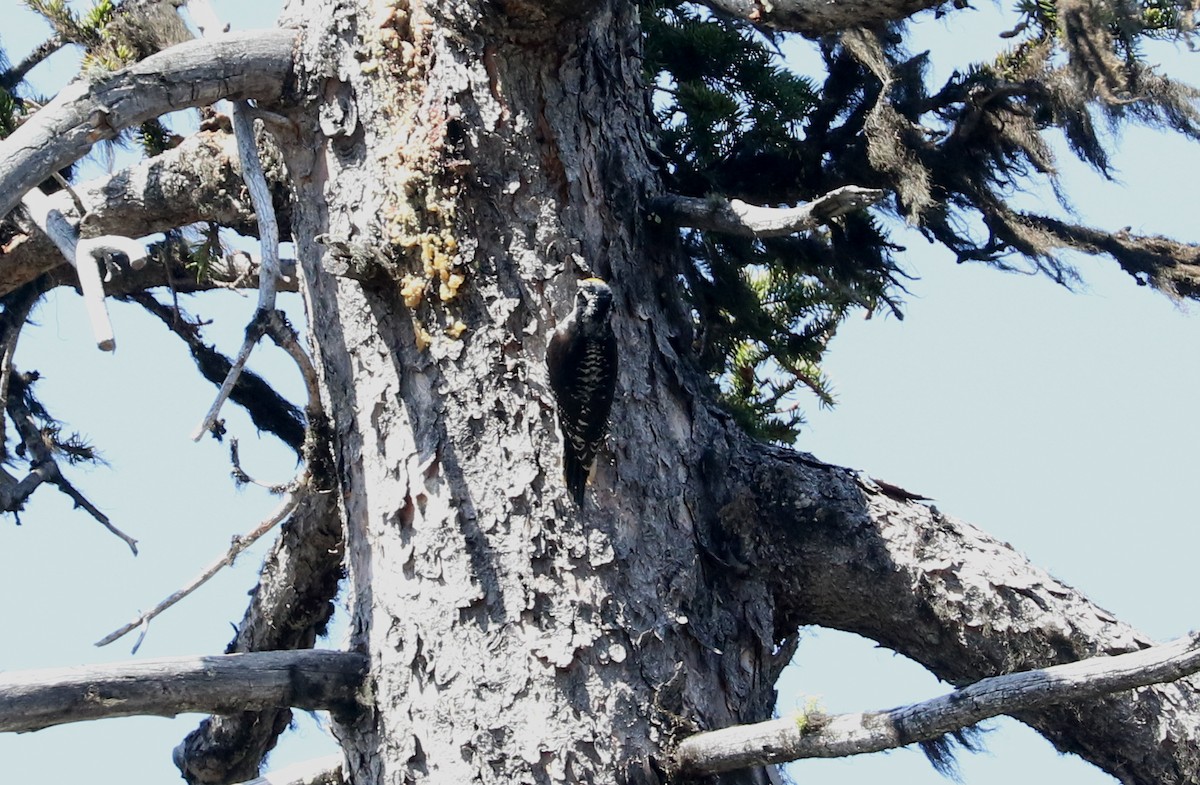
[593,302]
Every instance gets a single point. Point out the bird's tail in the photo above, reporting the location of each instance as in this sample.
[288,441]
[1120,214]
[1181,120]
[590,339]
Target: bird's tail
[576,467]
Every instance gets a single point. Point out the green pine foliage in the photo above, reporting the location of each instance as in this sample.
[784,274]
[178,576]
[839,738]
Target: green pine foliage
[733,124]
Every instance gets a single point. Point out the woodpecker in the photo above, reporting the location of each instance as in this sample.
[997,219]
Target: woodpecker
[582,359]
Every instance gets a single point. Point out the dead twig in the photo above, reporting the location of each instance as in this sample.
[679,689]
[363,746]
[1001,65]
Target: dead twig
[238,545]
[43,467]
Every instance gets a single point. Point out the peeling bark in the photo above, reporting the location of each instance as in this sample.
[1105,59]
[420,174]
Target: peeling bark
[512,637]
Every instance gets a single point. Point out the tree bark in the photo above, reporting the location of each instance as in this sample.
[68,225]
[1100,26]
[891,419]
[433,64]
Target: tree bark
[488,160]
[195,73]
[841,552]
[32,700]
[513,637]
[489,164]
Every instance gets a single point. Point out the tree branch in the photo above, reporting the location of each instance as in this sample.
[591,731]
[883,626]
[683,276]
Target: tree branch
[197,181]
[318,771]
[84,255]
[268,229]
[10,78]
[842,553]
[43,467]
[818,736]
[288,610]
[32,700]
[733,216]
[820,17]
[195,73]
[268,410]
[239,544]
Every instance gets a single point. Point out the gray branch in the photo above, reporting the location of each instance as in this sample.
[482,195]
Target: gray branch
[820,17]
[195,182]
[239,544]
[847,554]
[733,216]
[318,771]
[818,736]
[232,683]
[268,231]
[84,255]
[195,73]
[288,610]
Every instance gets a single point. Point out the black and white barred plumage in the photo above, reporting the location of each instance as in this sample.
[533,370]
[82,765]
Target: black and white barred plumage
[582,359]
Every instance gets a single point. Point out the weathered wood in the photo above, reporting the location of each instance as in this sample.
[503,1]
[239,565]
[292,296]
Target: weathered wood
[733,216]
[32,700]
[196,73]
[819,736]
[319,771]
[820,17]
[197,181]
[843,553]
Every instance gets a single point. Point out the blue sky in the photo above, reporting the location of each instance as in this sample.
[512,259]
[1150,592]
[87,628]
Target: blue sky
[1058,421]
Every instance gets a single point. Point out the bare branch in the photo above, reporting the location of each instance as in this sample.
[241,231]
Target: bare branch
[17,307]
[268,410]
[238,545]
[820,17]
[32,700]
[260,197]
[845,554]
[286,338]
[268,234]
[62,233]
[197,181]
[194,73]
[268,228]
[44,468]
[818,736]
[288,610]
[265,322]
[733,216]
[318,771]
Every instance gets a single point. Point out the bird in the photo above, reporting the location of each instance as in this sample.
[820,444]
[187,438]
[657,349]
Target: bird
[582,361]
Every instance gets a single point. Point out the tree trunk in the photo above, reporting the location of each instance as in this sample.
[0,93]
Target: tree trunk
[513,637]
[474,161]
